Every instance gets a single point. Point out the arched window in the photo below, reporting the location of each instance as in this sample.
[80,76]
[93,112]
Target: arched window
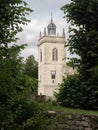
[54,54]
[40,55]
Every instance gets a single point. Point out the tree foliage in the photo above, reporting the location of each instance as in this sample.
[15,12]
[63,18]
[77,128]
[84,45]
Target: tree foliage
[12,15]
[31,67]
[83,41]
[76,94]
[17,111]
[31,72]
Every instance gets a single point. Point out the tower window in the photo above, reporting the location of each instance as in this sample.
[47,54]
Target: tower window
[54,54]
[53,74]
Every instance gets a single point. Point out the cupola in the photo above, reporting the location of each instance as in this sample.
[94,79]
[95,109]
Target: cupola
[51,27]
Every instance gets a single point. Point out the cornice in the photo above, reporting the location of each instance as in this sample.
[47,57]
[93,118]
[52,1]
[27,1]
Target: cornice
[51,39]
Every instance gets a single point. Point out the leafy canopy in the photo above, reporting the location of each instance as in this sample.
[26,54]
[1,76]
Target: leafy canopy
[31,67]
[83,41]
[16,110]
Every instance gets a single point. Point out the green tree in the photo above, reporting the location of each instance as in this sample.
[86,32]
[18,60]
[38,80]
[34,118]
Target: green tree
[83,41]
[31,67]
[31,72]
[12,14]
[14,99]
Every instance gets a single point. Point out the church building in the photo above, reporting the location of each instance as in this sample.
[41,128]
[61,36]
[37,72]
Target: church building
[52,62]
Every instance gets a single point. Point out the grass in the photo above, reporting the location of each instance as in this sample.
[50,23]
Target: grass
[48,106]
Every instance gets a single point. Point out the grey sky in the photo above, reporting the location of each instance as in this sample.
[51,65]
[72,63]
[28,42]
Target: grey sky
[40,18]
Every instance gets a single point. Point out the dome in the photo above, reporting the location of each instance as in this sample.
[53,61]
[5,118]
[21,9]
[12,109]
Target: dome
[51,28]
[51,25]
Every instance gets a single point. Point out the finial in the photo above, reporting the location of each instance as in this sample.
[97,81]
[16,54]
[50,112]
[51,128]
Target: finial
[44,31]
[63,34]
[40,34]
[51,18]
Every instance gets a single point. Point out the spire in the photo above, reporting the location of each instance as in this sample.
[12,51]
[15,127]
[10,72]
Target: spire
[51,27]
[51,18]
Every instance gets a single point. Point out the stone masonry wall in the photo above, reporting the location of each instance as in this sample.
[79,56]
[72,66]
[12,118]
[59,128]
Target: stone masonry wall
[66,121]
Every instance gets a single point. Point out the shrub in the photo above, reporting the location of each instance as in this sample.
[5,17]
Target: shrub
[77,94]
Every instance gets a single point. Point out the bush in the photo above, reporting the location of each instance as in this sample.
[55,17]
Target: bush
[67,92]
[77,94]
[23,115]
[29,116]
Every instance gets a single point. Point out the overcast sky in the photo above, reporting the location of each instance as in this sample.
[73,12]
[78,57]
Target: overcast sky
[40,18]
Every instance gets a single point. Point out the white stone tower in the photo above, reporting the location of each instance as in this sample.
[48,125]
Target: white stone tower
[52,62]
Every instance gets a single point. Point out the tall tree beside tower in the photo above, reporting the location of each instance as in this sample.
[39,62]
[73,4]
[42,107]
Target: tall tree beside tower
[31,67]
[16,110]
[83,41]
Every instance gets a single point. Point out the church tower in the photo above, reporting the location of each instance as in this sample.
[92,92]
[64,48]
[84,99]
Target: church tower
[51,66]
